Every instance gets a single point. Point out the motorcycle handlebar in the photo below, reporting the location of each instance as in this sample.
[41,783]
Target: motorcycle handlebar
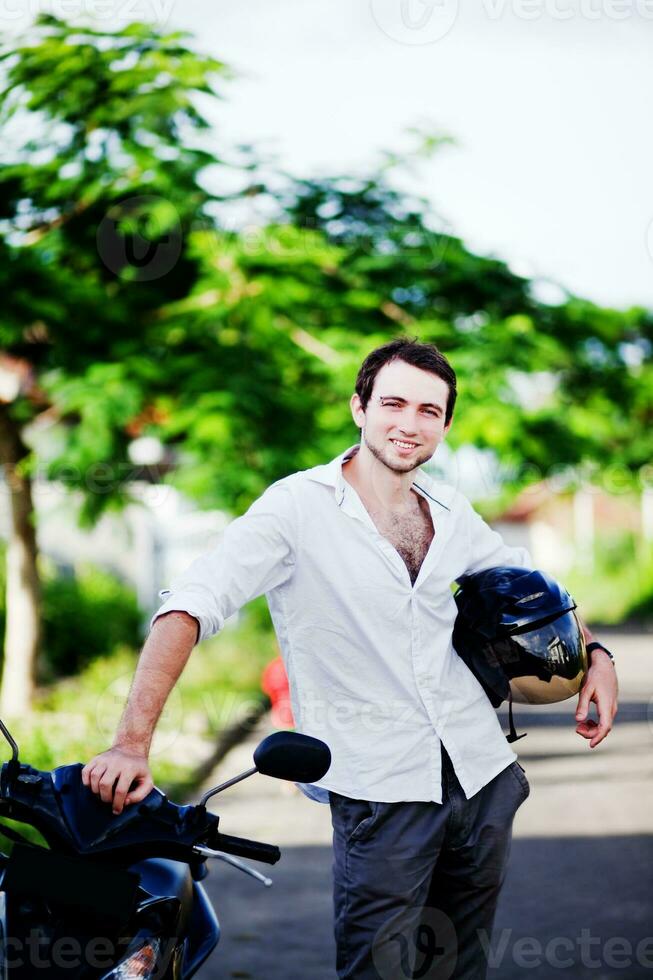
[241,847]
[156,827]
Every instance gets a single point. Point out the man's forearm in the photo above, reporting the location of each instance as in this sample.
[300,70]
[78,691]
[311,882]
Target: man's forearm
[163,658]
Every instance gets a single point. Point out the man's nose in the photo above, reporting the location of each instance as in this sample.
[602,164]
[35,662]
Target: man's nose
[409,423]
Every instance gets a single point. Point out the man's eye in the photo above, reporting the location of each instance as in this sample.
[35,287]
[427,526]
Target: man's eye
[429,411]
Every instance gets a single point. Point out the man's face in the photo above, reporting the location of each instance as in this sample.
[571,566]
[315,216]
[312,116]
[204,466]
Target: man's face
[403,423]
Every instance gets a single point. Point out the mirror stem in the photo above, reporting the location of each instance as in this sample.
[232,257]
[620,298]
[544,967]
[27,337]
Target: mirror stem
[230,782]
[13,766]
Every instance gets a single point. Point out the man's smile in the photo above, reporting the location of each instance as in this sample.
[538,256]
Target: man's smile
[401,444]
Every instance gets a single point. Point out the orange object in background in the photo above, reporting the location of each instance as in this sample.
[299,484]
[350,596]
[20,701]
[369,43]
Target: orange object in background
[274,682]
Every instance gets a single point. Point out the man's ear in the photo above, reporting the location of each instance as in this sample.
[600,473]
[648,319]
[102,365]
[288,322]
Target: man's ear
[445,431]
[357,411]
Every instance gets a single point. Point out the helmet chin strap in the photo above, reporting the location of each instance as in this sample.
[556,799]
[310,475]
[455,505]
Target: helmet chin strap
[513,737]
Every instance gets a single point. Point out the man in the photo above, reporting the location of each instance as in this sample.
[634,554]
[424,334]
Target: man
[357,558]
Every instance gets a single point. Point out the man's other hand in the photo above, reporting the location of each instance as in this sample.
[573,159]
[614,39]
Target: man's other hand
[119,776]
[600,686]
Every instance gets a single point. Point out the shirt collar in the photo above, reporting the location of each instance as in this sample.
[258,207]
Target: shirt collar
[330,474]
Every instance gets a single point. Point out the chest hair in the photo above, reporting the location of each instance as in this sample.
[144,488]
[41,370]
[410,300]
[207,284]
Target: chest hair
[410,534]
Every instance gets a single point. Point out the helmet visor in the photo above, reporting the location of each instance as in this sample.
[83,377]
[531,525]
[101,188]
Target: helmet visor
[546,663]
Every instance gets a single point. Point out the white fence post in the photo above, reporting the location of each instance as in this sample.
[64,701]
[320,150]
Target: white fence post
[584,526]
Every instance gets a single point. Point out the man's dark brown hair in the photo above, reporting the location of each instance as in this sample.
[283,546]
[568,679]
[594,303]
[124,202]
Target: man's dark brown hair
[421,355]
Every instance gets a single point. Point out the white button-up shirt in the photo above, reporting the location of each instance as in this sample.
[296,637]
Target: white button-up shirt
[369,655]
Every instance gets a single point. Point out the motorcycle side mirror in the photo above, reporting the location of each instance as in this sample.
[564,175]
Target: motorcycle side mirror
[284,755]
[289,755]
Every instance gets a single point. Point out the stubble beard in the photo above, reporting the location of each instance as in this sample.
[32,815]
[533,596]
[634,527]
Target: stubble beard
[383,456]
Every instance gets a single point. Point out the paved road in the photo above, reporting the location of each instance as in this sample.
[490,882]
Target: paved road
[578,898]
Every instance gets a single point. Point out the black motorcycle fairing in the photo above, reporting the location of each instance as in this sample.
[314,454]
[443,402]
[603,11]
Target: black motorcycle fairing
[44,935]
[96,891]
[40,940]
[72,817]
[161,877]
[203,933]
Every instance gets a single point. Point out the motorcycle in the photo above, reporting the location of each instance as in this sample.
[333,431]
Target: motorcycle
[118,897]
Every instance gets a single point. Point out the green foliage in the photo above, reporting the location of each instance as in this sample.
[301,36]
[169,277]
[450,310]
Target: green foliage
[619,585]
[85,616]
[102,149]
[496,331]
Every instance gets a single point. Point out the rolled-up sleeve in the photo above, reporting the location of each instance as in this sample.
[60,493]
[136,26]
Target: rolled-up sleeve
[486,548]
[255,554]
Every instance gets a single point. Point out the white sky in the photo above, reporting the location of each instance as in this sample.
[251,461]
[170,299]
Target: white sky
[552,116]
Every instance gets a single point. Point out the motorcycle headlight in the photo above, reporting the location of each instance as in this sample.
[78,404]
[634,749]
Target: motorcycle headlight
[139,965]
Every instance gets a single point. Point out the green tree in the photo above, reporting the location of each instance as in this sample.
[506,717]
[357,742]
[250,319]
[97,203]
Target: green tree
[130,311]
[101,153]
[346,263]
[401,272]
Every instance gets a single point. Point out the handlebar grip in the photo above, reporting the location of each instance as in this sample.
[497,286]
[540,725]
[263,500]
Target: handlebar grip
[241,847]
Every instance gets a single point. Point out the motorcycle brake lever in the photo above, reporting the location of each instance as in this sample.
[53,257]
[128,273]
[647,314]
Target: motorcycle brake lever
[207,852]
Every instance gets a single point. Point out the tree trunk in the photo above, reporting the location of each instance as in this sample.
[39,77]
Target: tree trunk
[23,599]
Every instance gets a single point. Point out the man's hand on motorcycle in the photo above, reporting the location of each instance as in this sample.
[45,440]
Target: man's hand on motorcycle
[118,776]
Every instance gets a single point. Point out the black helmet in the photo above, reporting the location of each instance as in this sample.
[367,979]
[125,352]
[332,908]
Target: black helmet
[517,632]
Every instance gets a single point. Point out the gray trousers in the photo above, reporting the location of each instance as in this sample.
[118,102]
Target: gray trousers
[416,884]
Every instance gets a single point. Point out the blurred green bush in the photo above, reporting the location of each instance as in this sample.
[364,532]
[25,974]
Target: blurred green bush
[618,585]
[85,615]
